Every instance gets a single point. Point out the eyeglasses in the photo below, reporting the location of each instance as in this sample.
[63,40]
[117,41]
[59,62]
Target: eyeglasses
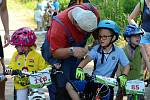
[105,37]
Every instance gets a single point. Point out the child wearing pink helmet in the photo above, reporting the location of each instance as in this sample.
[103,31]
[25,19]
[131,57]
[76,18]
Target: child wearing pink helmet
[25,58]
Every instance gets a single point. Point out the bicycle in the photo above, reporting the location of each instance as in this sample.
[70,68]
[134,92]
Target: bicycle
[37,80]
[99,91]
[134,88]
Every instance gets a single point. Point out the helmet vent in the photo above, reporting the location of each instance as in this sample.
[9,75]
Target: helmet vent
[19,33]
[107,23]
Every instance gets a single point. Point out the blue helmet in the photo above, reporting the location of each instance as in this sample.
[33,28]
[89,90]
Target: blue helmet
[109,24]
[132,30]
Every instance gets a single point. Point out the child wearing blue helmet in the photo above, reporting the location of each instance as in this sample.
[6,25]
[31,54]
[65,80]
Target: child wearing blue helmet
[136,55]
[106,57]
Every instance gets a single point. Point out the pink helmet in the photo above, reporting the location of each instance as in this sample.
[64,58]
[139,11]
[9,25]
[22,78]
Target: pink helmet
[23,36]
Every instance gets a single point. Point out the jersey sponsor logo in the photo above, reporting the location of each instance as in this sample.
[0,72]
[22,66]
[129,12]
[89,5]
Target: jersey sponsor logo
[113,58]
[31,60]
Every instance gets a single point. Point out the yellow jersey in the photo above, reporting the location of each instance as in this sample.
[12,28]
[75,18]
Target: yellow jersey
[32,62]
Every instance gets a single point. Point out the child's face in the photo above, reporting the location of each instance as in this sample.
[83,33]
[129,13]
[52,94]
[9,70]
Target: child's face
[135,40]
[19,49]
[22,49]
[105,37]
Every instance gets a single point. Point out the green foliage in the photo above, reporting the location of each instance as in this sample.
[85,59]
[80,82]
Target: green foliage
[63,4]
[129,5]
[29,4]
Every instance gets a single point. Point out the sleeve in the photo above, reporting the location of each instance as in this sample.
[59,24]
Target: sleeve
[123,59]
[93,53]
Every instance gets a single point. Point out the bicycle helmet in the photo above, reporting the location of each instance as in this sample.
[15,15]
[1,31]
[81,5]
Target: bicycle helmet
[111,25]
[132,30]
[23,37]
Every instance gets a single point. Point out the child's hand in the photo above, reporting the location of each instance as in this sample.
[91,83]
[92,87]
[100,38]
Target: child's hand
[122,79]
[80,73]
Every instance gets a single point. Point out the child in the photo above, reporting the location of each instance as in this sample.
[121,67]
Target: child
[136,55]
[106,57]
[38,16]
[25,58]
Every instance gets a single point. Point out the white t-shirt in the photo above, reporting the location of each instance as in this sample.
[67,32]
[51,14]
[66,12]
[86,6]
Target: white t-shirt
[38,15]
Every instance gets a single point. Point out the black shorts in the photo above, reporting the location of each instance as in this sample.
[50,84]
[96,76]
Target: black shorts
[1,49]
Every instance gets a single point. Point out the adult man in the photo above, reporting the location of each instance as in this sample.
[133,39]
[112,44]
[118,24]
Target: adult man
[5,22]
[67,41]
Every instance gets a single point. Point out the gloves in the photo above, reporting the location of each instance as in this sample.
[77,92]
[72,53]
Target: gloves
[122,79]
[23,81]
[80,73]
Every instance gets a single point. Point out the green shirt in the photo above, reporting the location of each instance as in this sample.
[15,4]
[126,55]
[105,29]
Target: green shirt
[136,63]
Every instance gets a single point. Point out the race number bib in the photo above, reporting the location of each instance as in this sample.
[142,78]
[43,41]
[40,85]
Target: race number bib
[106,80]
[40,79]
[135,87]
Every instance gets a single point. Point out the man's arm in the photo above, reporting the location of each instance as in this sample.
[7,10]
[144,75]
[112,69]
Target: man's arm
[5,21]
[63,53]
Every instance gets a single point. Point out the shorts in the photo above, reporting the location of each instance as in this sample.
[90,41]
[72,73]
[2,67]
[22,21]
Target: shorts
[1,49]
[145,39]
[79,85]
[92,88]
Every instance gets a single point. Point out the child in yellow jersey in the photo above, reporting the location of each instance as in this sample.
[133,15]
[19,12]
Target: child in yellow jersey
[25,58]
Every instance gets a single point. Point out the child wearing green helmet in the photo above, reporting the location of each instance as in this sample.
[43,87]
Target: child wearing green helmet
[106,57]
[136,55]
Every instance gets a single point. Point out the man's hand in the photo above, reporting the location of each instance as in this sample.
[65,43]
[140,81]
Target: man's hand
[80,73]
[80,52]
[6,40]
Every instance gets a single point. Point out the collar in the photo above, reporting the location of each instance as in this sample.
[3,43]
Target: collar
[100,50]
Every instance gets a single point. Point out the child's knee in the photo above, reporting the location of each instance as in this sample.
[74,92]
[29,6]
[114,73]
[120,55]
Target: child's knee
[68,86]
